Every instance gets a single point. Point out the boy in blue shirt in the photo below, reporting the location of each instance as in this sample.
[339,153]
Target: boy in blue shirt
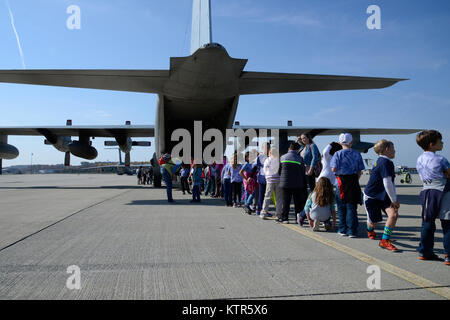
[434,171]
[197,181]
[380,194]
[347,165]
[184,173]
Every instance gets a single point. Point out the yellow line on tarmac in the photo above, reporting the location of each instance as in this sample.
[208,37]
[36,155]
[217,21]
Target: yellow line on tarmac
[396,271]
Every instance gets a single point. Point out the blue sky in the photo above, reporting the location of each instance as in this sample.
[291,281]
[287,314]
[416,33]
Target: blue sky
[318,37]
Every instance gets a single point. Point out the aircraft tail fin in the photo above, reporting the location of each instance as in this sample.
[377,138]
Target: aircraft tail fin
[201,24]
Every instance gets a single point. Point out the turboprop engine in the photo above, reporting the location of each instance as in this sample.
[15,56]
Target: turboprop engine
[83,149]
[65,144]
[125,144]
[8,151]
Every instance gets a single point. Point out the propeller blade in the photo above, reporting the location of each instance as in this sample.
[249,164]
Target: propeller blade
[127,159]
[67,159]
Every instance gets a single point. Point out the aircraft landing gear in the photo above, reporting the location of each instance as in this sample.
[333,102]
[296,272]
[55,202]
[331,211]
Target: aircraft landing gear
[157,180]
[157,177]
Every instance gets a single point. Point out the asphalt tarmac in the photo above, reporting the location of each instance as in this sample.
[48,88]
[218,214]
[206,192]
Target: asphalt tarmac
[104,237]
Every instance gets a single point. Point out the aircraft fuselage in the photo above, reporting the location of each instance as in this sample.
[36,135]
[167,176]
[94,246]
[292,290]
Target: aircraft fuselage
[201,87]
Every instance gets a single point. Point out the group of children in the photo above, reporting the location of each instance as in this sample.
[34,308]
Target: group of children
[380,194]
[338,186]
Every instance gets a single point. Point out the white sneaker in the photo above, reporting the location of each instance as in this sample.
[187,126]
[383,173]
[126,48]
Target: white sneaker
[342,234]
[316,225]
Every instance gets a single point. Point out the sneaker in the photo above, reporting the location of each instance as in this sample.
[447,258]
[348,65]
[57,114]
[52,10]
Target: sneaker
[247,210]
[387,244]
[432,257]
[316,226]
[285,221]
[342,234]
[351,236]
[269,215]
[447,260]
[327,226]
[279,220]
[234,205]
[300,219]
[263,216]
[371,234]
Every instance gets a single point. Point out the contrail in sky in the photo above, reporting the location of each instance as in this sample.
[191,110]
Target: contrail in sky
[17,35]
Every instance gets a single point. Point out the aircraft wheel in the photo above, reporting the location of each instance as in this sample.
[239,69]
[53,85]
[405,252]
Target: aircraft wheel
[157,181]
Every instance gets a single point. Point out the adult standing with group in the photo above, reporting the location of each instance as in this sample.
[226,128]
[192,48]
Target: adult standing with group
[292,181]
[261,179]
[311,156]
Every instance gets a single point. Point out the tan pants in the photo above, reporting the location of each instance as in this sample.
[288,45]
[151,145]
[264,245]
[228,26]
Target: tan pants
[270,188]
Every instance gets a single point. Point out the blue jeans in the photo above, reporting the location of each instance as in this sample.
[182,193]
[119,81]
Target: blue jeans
[446,231]
[196,192]
[348,216]
[426,244]
[211,188]
[261,194]
[227,191]
[168,181]
[248,198]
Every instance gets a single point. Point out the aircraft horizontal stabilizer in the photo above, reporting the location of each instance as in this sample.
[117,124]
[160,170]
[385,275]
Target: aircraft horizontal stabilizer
[266,82]
[150,81]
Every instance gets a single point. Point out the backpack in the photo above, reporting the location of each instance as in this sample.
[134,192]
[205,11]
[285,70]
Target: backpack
[318,167]
[164,159]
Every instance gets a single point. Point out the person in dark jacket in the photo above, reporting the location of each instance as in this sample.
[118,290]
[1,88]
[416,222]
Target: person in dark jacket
[292,181]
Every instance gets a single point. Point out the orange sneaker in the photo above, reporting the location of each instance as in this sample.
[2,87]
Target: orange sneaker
[371,234]
[387,244]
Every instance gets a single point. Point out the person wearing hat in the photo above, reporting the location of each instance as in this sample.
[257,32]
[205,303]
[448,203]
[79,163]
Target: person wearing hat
[168,168]
[347,164]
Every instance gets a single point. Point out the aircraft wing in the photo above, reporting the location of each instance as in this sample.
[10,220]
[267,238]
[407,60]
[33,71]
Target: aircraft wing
[90,131]
[327,131]
[266,82]
[117,166]
[150,81]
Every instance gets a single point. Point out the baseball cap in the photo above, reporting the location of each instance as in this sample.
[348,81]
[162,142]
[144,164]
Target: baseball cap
[345,138]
